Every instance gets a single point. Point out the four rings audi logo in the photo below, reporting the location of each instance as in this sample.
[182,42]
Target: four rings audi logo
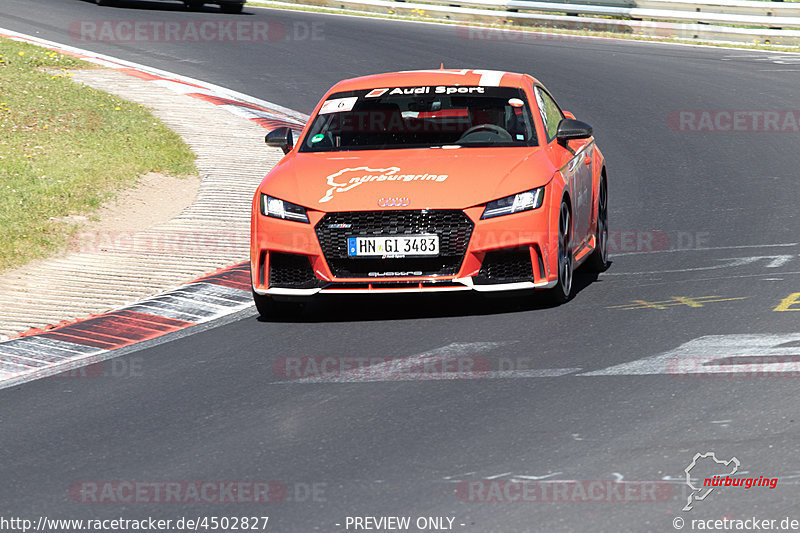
[394,202]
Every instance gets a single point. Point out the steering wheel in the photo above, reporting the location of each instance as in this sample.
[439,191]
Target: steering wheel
[489,128]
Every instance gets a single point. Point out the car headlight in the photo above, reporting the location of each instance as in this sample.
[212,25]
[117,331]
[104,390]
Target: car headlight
[273,207]
[524,201]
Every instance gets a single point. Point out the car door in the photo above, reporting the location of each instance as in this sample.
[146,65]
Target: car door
[576,164]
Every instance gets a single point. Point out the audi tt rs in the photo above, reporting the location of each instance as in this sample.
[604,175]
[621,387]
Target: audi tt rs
[440,180]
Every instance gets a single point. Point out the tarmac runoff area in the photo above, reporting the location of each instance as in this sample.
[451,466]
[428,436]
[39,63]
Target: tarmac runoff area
[110,270]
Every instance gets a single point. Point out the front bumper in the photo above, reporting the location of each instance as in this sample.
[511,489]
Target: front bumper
[464,284]
[513,252]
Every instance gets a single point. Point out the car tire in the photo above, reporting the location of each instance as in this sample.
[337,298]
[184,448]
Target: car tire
[562,292]
[598,261]
[101,2]
[233,9]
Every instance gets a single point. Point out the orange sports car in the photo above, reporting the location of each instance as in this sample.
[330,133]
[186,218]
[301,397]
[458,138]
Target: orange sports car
[431,180]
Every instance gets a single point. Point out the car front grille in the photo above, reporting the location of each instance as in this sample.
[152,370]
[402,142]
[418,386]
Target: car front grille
[453,227]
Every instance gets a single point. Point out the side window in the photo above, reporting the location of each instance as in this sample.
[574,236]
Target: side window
[551,113]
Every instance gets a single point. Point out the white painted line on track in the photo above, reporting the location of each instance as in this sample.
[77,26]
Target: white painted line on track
[751,355]
[682,250]
[772,261]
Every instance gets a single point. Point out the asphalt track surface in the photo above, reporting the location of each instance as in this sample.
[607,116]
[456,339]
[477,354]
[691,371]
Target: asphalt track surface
[709,208]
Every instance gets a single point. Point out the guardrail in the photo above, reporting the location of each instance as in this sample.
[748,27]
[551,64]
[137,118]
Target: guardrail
[750,21]
[656,11]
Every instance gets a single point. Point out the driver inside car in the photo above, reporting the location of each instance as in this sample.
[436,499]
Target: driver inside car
[487,124]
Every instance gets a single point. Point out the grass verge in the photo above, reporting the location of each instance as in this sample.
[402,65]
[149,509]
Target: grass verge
[65,148]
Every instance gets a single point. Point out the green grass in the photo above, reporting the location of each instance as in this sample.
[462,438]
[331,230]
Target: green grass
[65,148]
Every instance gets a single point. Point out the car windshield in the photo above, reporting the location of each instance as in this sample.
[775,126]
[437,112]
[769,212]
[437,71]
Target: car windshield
[421,117]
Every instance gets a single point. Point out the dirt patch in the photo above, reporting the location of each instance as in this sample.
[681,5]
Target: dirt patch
[156,198]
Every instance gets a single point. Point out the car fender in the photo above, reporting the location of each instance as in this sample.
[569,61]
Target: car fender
[598,169]
[557,191]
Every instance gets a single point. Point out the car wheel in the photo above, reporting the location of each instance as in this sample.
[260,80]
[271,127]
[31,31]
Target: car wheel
[101,2]
[598,261]
[563,289]
[231,8]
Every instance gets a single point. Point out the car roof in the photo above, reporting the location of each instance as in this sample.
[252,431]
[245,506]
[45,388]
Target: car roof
[413,78]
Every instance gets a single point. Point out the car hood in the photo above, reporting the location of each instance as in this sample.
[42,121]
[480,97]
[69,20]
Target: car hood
[432,178]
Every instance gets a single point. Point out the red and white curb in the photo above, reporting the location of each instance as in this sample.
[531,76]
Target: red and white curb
[264,113]
[67,346]
[50,351]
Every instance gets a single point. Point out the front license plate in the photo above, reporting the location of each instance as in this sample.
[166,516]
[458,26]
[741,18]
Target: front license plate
[393,246]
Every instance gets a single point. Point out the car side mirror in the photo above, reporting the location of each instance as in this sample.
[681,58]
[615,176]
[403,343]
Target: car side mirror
[280,138]
[569,129]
